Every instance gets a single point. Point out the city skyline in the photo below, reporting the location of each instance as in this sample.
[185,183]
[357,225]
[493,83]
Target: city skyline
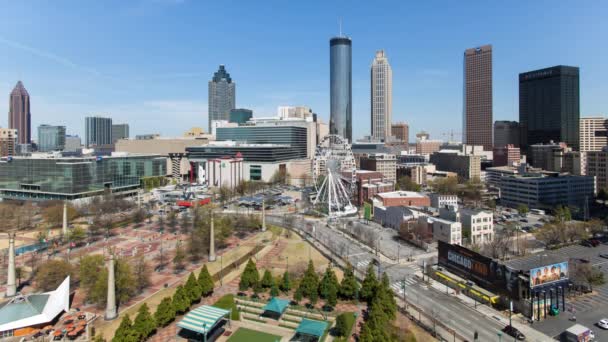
[72,78]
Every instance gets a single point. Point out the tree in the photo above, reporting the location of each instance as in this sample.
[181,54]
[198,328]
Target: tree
[139,216]
[144,323]
[90,268]
[587,274]
[53,214]
[125,332]
[297,295]
[562,214]
[193,290]
[77,235]
[250,277]
[602,194]
[522,209]
[181,301]
[445,186]
[385,298]
[165,312]
[124,281]
[205,282]
[329,283]
[274,289]
[52,273]
[309,285]
[179,258]
[285,282]
[341,325]
[331,295]
[267,280]
[172,221]
[161,224]
[370,283]
[185,223]
[141,273]
[349,285]
[407,184]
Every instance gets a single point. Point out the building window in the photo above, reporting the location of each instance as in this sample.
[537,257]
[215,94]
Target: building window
[255,172]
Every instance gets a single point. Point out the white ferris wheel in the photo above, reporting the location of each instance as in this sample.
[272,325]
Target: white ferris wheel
[334,176]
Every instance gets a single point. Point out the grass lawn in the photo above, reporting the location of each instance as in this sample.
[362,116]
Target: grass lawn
[227,303]
[247,335]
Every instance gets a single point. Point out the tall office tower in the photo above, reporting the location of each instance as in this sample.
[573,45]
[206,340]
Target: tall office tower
[506,133]
[51,138]
[286,112]
[19,116]
[340,87]
[593,134]
[97,131]
[222,96]
[401,132]
[240,115]
[382,96]
[549,107]
[119,131]
[477,116]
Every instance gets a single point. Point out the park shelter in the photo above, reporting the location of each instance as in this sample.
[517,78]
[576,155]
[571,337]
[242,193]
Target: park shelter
[203,319]
[22,314]
[311,328]
[276,307]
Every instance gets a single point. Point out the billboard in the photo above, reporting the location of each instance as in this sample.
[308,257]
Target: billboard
[470,264]
[548,274]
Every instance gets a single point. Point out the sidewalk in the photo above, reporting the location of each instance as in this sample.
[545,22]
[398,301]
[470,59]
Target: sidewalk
[532,334]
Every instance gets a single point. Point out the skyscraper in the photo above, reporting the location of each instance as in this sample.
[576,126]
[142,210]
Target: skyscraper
[506,133]
[222,96]
[382,96]
[19,116]
[51,138]
[340,87]
[593,133]
[98,131]
[477,116]
[549,107]
[119,131]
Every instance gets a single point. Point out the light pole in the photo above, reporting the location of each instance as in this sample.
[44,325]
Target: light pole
[221,271]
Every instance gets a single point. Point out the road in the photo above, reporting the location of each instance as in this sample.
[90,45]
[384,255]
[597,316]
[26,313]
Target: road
[462,318]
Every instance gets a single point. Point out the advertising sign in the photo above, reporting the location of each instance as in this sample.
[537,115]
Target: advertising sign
[470,264]
[367,211]
[548,274]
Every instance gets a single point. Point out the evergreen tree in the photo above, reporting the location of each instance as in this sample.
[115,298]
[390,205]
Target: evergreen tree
[181,301]
[310,282]
[250,277]
[332,295]
[349,286]
[297,296]
[341,326]
[193,290]
[274,289]
[285,282]
[385,299]
[179,258]
[125,332]
[144,323]
[328,283]
[366,335]
[368,288]
[205,282]
[267,280]
[165,312]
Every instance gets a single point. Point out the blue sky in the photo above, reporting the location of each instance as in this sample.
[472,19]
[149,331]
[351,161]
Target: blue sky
[147,62]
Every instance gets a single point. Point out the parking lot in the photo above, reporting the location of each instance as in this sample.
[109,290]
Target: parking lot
[589,308]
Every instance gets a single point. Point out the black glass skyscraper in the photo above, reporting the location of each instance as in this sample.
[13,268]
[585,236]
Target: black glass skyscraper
[340,85]
[549,106]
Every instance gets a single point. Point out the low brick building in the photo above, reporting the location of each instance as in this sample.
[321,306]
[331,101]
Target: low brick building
[403,198]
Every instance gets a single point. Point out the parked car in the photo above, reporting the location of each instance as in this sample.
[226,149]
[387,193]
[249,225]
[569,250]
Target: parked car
[604,255]
[512,331]
[595,242]
[603,323]
[524,220]
[587,243]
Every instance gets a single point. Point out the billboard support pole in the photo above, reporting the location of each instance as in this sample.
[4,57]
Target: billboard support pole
[545,303]
[563,299]
[538,306]
[510,311]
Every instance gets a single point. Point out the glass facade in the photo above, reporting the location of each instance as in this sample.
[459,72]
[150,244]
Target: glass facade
[255,172]
[340,85]
[51,138]
[98,131]
[549,106]
[250,153]
[240,115]
[296,137]
[72,178]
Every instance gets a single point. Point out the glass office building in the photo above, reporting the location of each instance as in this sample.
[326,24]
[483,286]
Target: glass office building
[51,138]
[240,115]
[294,136]
[97,131]
[340,87]
[68,178]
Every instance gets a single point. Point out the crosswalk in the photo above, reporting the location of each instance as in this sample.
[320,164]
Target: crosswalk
[397,286]
[363,263]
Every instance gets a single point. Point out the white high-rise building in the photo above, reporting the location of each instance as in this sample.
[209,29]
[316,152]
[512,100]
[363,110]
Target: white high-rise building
[382,96]
[593,133]
[286,112]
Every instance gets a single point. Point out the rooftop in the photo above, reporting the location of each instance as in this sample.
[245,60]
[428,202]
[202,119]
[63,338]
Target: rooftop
[399,194]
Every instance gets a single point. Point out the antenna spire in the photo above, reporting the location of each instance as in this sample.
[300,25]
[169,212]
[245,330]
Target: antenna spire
[340,25]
